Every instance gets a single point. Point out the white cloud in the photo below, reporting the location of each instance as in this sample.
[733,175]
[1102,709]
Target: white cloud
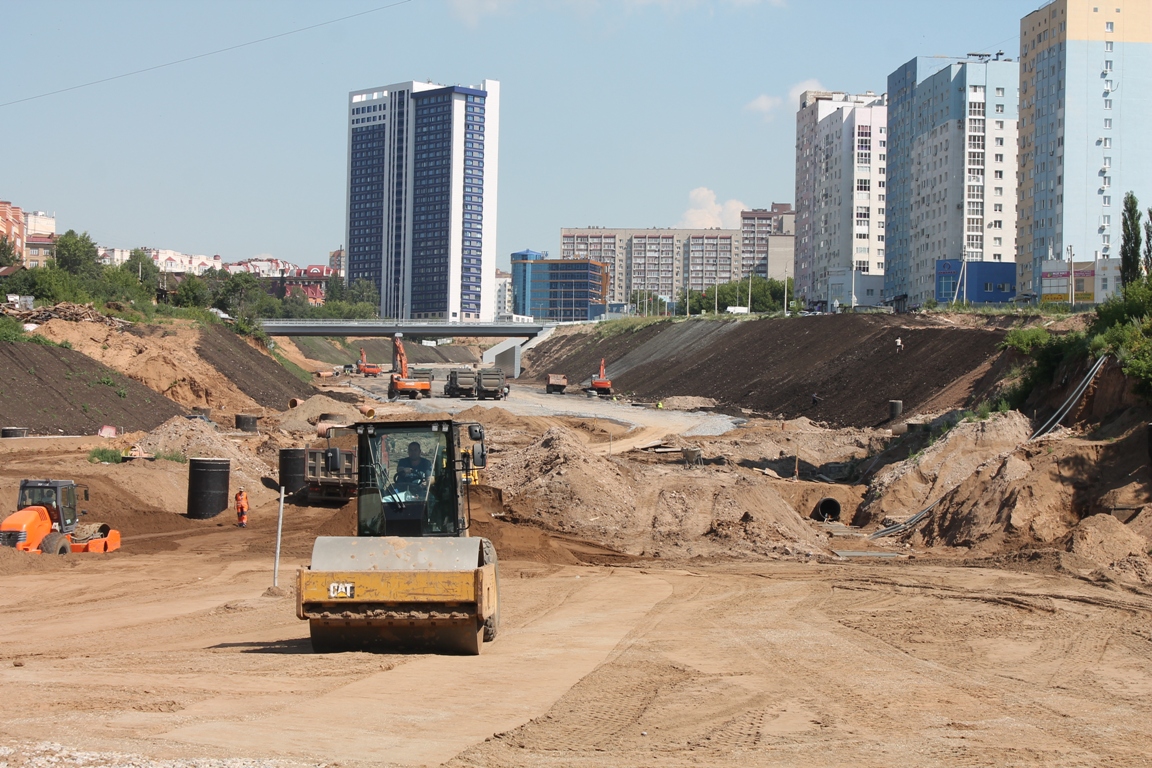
[471,11]
[706,212]
[796,91]
[765,106]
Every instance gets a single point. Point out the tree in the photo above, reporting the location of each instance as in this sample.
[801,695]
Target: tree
[363,292]
[238,294]
[78,254]
[335,289]
[192,292]
[1148,245]
[8,255]
[147,272]
[1130,244]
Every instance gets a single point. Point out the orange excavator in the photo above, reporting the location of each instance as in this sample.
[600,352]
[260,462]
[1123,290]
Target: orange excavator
[367,368]
[402,384]
[600,384]
[48,522]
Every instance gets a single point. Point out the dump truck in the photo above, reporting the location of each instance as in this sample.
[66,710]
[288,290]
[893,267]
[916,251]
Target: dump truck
[330,474]
[48,522]
[461,382]
[402,383]
[491,384]
[557,383]
[412,577]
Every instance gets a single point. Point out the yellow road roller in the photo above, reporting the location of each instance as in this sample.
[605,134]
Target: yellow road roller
[412,578]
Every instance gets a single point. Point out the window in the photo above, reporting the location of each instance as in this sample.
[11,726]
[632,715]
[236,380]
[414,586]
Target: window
[1108,47]
[1105,220]
[1109,26]
[1104,283]
[997,241]
[999,125]
[999,141]
[1107,103]
[997,224]
[1107,143]
[999,174]
[1106,239]
[999,158]
[977,89]
[1107,65]
[998,208]
[1107,182]
[1107,162]
[1108,86]
[863,185]
[998,191]
[976,109]
[999,109]
[999,91]
[1107,200]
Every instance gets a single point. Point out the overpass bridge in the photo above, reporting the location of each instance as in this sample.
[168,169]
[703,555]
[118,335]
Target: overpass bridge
[518,335]
[423,328]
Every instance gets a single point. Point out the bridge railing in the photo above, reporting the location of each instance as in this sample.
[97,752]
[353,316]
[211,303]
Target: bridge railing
[409,323]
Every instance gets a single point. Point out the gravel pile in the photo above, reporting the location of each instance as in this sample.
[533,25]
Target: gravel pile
[50,755]
[196,438]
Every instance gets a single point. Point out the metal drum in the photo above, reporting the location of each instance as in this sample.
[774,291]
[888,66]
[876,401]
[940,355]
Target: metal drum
[207,487]
[293,462]
[246,423]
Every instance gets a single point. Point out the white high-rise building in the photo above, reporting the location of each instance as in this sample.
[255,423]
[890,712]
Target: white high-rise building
[422,162]
[841,159]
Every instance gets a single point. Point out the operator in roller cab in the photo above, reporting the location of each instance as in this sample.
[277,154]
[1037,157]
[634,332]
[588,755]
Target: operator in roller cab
[408,488]
[413,470]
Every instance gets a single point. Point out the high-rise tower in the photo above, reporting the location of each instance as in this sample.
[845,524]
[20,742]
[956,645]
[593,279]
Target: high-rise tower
[421,222]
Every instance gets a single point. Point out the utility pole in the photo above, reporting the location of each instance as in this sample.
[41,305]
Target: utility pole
[1071,278]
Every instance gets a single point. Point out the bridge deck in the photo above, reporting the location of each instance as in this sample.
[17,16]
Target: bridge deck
[425,328]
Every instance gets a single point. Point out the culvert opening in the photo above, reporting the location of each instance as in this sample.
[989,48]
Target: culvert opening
[827,509]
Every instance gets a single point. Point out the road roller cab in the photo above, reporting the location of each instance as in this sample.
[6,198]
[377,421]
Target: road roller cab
[412,577]
[47,520]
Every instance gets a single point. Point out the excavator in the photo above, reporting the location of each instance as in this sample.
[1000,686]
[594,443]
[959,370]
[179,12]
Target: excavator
[366,368]
[600,384]
[48,522]
[402,383]
[412,577]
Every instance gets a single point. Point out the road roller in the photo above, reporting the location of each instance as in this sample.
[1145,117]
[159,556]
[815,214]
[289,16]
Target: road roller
[412,578]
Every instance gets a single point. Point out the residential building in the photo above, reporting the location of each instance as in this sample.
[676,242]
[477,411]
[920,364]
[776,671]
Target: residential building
[951,180]
[165,259]
[12,225]
[975,282]
[39,223]
[311,282]
[661,261]
[1085,105]
[768,241]
[338,260]
[39,250]
[841,163]
[263,267]
[422,191]
[504,294]
[558,290]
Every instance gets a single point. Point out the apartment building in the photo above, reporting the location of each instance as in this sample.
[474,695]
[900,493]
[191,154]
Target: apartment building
[768,241]
[1085,105]
[12,225]
[661,261]
[951,180]
[841,161]
[421,223]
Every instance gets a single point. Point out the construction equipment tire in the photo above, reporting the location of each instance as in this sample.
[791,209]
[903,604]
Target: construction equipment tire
[492,623]
[55,544]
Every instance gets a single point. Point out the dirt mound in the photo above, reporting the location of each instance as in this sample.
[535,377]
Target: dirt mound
[314,352]
[303,418]
[558,483]
[162,358]
[1105,540]
[195,438]
[256,374]
[776,365]
[687,403]
[61,391]
[906,487]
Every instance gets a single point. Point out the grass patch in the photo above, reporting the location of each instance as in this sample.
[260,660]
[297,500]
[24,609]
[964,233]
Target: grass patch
[292,368]
[104,455]
[175,456]
[610,328]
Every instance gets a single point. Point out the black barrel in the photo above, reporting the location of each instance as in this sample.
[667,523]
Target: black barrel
[207,487]
[14,432]
[895,408]
[293,462]
[246,423]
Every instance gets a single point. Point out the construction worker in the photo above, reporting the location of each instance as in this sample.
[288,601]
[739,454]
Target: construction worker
[899,344]
[242,508]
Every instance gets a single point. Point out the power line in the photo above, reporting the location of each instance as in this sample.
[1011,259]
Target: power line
[206,55]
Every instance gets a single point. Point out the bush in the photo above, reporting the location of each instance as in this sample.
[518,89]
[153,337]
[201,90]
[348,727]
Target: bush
[1024,340]
[104,455]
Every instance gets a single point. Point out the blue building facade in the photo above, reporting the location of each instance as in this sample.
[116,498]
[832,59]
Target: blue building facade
[558,290]
[984,282]
[422,198]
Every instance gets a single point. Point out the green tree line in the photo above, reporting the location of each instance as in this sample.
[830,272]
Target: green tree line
[78,276]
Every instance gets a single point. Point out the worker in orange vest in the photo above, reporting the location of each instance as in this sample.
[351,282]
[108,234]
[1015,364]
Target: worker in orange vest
[242,508]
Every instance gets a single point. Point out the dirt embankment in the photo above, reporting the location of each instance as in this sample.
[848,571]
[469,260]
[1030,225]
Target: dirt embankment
[318,353]
[850,363]
[61,391]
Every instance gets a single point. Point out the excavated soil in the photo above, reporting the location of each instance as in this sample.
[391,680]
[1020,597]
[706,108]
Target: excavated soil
[254,373]
[775,366]
[61,391]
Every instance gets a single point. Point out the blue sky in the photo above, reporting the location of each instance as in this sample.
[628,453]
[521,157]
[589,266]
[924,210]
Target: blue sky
[624,113]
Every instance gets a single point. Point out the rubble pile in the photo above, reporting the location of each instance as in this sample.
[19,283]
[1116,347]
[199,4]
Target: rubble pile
[77,313]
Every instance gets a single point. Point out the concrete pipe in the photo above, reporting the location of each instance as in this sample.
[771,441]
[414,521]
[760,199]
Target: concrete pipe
[323,427]
[827,509]
[295,402]
[368,411]
[325,374]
